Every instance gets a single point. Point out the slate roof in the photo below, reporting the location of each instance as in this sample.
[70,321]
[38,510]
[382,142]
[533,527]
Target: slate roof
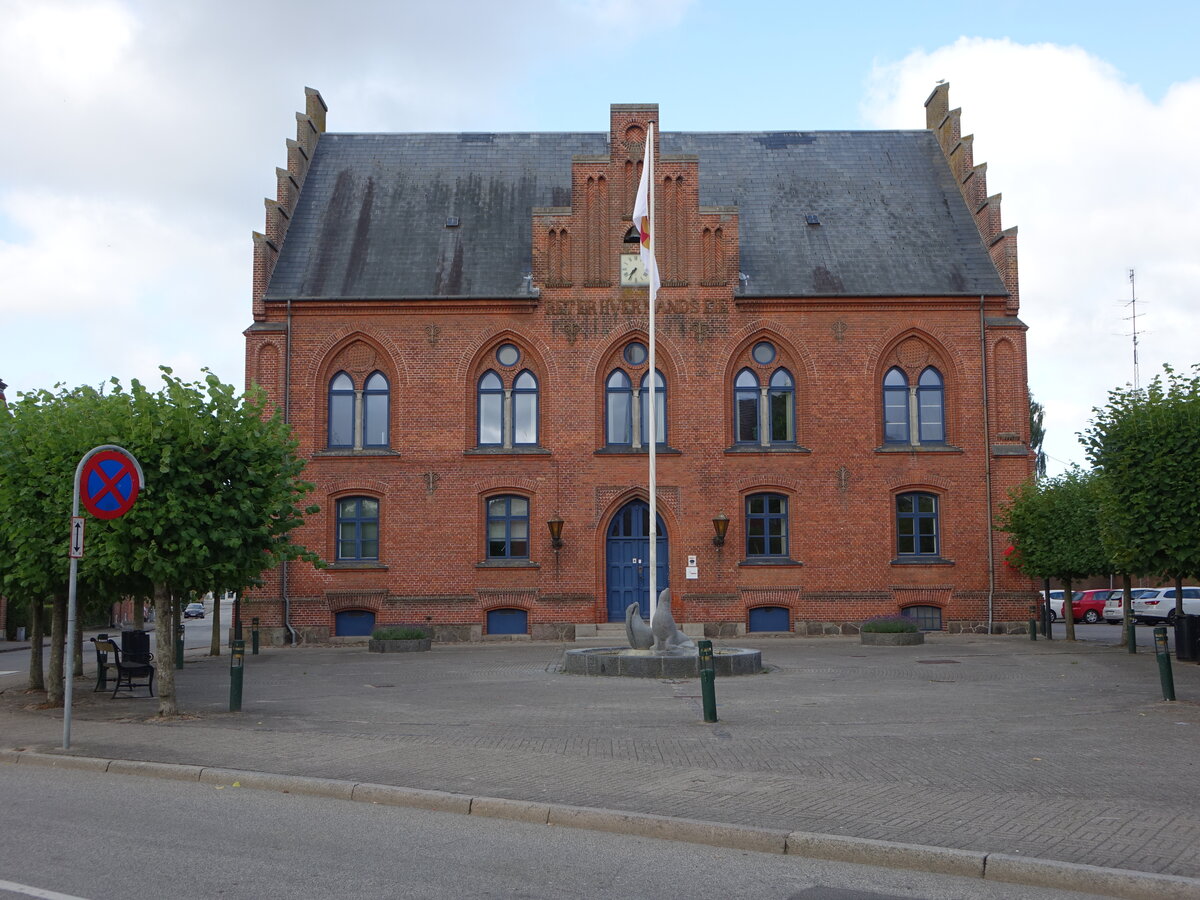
[371,219]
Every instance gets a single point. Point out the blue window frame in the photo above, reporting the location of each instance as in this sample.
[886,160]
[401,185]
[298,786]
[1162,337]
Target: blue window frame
[931,411]
[618,402]
[341,411]
[525,409]
[375,411]
[917,531]
[745,407]
[507,528]
[766,525]
[781,401]
[660,408]
[895,407]
[358,528]
[491,410]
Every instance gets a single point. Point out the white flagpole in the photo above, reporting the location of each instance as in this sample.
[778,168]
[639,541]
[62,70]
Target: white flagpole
[651,413]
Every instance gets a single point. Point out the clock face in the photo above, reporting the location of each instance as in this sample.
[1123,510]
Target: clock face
[633,273]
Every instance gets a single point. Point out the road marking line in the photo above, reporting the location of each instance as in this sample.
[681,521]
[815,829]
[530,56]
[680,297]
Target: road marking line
[35,892]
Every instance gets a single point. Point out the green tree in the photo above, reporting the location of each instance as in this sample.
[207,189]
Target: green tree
[1037,436]
[1054,526]
[1147,444]
[42,438]
[222,496]
[220,499]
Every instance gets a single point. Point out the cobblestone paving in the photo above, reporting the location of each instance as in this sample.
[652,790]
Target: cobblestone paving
[993,744]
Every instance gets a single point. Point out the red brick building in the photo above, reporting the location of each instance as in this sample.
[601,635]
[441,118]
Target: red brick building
[456,329]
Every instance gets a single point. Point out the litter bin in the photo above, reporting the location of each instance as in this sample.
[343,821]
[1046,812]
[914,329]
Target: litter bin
[1187,638]
[135,646]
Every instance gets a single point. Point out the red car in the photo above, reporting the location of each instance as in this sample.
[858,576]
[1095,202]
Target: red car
[1088,606]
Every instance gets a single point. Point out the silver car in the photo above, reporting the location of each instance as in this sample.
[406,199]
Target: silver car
[1114,606]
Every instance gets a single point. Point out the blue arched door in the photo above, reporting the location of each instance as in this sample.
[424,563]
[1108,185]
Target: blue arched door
[627,557]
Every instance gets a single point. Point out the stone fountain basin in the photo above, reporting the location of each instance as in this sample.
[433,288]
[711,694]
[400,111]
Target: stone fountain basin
[624,661]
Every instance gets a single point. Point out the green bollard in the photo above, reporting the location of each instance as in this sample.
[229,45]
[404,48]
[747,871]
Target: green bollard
[1033,629]
[237,656]
[708,675]
[1131,636]
[254,636]
[179,646]
[1164,663]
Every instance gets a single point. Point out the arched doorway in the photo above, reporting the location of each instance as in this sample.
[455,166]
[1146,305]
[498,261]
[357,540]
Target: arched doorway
[627,559]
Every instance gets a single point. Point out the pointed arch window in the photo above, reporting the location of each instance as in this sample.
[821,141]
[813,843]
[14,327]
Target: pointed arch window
[618,401]
[376,395]
[931,407]
[341,411]
[507,416]
[781,399]
[359,419]
[525,409]
[895,407]
[491,410]
[660,408]
[914,414]
[745,406]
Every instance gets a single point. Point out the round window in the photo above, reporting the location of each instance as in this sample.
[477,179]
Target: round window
[507,354]
[763,353]
[635,353]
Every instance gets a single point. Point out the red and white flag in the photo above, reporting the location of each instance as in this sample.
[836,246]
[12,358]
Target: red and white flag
[643,216]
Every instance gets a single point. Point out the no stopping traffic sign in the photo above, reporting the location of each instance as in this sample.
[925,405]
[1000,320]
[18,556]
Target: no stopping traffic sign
[109,484]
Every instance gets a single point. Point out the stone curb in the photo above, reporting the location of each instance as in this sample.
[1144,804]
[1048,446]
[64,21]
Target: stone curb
[940,860]
[1124,883]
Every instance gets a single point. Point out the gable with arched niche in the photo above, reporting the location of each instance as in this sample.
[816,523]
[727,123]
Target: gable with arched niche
[504,384]
[359,380]
[766,391]
[623,384]
[917,394]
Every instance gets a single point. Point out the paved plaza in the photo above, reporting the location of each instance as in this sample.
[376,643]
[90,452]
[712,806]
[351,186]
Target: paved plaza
[1059,751]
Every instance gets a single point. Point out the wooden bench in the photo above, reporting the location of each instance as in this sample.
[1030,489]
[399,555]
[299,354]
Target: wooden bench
[109,662]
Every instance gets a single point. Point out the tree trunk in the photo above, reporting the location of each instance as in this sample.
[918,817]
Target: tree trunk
[1126,609]
[58,637]
[77,654]
[215,648]
[139,613]
[1178,596]
[1068,610]
[164,658]
[37,637]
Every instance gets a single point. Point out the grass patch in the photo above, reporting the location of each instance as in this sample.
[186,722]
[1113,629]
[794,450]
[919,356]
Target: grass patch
[889,625]
[398,634]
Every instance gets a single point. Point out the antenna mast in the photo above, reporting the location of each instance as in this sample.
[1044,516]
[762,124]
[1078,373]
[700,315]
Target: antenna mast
[1133,317]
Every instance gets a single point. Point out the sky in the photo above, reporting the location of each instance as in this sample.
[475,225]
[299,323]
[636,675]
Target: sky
[142,137]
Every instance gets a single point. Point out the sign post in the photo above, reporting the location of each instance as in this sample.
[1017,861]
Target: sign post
[108,480]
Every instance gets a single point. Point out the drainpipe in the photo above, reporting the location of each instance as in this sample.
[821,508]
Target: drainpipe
[987,470]
[287,418]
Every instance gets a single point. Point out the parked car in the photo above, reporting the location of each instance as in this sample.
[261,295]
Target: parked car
[194,611]
[1056,604]
[1114,606]
[1088,606]
[1157,605]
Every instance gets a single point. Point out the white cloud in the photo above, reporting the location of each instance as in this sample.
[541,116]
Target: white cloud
[1097,178]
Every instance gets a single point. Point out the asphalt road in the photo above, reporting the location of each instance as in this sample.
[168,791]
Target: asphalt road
[99,836]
